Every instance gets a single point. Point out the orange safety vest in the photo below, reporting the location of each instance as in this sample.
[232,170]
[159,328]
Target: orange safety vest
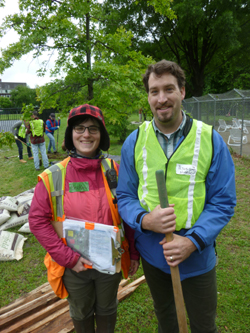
[54,270]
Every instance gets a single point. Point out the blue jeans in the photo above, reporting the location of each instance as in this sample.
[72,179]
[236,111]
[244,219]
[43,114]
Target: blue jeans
[20,148]
[42,147]
[52,142]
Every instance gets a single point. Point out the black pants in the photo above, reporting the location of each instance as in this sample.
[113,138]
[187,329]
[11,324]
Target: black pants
[200,296]
[20,148]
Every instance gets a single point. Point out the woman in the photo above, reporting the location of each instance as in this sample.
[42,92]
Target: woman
[85,195]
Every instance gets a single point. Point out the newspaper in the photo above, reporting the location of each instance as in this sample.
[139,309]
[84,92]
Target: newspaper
[93,241]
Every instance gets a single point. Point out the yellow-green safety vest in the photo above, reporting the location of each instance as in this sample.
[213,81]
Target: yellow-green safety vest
[185,171]
[36,126]
[22,131]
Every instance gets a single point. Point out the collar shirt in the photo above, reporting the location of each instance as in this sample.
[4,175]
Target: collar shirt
[168,142]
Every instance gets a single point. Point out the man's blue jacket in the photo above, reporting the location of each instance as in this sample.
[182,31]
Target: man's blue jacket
[219,208]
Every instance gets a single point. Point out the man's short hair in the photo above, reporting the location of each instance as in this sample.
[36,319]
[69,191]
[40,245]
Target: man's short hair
[162,67]
[35,113]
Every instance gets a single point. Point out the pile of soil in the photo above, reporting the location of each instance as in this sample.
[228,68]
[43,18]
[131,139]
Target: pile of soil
[57,156]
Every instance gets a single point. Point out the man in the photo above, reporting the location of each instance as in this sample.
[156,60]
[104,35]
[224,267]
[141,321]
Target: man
[200,181]
[19,132]
[51,126]
[37,127]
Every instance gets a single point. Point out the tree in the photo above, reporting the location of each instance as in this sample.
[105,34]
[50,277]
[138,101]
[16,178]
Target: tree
[202,38]
[94,66]
[23,95]
[5,102]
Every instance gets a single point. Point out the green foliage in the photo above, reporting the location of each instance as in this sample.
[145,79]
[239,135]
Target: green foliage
[6,139]
[5,102]
[23,95]
[73,30]
[162,7]
[203,37]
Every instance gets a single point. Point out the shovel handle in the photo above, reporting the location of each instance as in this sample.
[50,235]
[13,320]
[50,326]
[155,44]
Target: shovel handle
[175,275]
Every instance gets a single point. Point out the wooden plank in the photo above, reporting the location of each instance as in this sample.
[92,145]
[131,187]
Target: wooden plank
[123,283]
[27,309]
[130,288]
[27,322]
[41,311]
[125,293]
[136,282]
[52,323]
[43,289]
[62,323]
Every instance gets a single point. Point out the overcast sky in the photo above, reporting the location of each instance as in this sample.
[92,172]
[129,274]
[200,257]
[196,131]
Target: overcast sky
[23,70]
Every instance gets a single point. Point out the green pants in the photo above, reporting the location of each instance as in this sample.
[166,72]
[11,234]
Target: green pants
[200,297]
[91,292]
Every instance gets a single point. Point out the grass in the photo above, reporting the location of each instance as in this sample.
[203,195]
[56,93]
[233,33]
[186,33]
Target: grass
[136,314]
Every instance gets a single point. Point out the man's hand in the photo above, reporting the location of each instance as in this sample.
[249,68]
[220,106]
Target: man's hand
[161,220]
[79,267]
[15,137]
[177,250]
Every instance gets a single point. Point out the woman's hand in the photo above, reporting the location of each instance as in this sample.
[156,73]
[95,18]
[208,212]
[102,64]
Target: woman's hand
[79,267]
[134,265]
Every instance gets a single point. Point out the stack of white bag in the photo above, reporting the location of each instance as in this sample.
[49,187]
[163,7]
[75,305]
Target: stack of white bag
[14,211]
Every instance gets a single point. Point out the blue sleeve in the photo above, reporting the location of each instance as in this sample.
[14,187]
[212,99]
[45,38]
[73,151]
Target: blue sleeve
[48,124]
[220,197]
[128,201]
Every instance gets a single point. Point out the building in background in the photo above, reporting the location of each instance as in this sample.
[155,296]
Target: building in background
[6,87]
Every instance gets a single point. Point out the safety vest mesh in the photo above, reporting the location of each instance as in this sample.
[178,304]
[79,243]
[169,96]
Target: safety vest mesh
[22,131]
[185,171]
[36,127]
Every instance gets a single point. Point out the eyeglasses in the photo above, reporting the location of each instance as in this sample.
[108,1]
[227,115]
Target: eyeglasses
[81,129]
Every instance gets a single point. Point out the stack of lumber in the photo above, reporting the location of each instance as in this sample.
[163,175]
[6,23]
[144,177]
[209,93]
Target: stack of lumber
[41,311]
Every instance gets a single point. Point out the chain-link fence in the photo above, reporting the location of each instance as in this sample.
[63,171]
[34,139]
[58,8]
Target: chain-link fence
[226,112]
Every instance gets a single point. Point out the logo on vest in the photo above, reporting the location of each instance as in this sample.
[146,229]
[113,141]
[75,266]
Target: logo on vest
[186,169]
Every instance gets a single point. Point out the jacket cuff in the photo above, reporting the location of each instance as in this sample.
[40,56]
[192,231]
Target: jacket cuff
[73,263]
[134,256]
[197,241]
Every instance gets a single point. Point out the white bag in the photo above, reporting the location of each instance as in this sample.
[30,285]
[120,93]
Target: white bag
[4,215]
[8,203]
[25,228]
[11,246]
[16,218]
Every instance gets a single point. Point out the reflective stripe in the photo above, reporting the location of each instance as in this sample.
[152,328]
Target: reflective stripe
[192,176]
[145,171]
[56,172]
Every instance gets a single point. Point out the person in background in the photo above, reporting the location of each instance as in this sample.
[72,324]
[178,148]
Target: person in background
[51,126]
[20,133]
[200,182]
[92,295]
[36,128]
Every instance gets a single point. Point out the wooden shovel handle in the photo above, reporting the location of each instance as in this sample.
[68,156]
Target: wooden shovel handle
[175,275]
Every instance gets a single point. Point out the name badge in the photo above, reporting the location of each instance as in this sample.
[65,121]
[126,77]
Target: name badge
[79,187]
[185,169]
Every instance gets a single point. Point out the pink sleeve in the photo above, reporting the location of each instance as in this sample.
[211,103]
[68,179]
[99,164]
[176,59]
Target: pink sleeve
[39,222]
